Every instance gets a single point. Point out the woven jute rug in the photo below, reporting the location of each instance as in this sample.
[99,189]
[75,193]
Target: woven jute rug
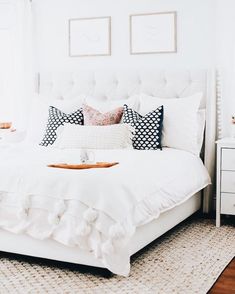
[188,259]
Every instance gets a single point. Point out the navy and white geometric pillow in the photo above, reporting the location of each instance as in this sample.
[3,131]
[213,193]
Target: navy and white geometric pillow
[56,119]
[148,128]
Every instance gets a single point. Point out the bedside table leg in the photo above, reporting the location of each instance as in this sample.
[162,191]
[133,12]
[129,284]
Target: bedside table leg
[217,220]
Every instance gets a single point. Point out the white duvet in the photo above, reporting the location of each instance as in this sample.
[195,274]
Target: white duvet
[98,209]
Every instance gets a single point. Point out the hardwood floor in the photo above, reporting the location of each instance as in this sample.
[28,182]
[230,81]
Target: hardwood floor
[226,282]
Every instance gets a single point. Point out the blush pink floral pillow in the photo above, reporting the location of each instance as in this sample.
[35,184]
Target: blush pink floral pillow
[93,117]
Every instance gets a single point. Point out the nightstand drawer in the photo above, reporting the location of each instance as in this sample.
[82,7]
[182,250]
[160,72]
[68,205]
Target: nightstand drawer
[228,203]
[228,159]
[228,181]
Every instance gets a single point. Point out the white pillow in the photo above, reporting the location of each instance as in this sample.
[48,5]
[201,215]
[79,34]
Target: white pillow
[39,114]
[201,116]
[106,106]
[180,120]
[94,137]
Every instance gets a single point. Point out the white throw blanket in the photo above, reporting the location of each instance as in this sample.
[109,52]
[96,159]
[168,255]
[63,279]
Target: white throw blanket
[96,209]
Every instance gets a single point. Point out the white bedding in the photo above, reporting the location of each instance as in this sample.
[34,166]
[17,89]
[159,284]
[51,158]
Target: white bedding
[98,209]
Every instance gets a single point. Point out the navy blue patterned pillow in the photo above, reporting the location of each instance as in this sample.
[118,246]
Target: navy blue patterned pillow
[56,119]
[148,128]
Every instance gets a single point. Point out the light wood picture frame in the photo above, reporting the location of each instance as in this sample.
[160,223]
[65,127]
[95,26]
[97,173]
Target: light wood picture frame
[152,33]
[90,36]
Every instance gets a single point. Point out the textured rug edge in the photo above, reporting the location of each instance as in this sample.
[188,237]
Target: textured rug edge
[218,276]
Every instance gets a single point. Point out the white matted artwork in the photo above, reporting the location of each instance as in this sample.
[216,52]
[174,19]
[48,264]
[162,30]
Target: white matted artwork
[90,36]
[153,33]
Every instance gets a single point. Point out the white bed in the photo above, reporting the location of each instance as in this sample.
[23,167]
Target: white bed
[178,189]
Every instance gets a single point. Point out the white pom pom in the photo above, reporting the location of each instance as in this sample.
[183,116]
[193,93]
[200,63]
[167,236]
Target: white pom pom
[107,247]
[60,207]
[25,201]
[53,219]
[22,213]
[116,231]
[90,215]
[83,229]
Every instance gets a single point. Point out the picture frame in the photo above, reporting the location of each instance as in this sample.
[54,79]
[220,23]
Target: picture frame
[152,33]
[90,36]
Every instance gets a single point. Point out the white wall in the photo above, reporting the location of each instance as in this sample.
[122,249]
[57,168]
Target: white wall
[195,33]
[225,58]
[206,37]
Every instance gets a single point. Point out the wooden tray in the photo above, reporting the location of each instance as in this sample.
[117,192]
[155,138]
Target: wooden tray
[5,125]
[84,166]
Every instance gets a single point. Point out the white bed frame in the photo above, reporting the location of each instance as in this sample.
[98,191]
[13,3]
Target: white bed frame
[120,85]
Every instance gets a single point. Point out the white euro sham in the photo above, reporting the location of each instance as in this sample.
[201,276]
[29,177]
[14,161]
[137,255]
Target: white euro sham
[180,122]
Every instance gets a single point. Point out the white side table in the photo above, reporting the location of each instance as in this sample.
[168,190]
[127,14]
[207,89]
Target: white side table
[225,187]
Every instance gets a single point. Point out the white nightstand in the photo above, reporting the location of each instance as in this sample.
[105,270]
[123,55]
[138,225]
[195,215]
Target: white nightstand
[225,192]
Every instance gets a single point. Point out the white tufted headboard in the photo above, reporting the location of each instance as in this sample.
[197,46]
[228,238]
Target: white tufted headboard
[105,85]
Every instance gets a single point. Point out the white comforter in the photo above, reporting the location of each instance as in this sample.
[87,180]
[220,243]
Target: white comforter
[98,209]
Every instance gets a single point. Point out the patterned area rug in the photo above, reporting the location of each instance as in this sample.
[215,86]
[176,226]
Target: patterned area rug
[188,259]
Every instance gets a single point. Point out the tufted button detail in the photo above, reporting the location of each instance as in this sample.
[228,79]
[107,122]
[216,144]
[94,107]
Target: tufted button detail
[165,81]
[104,98]
[190,81]
[100,83]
